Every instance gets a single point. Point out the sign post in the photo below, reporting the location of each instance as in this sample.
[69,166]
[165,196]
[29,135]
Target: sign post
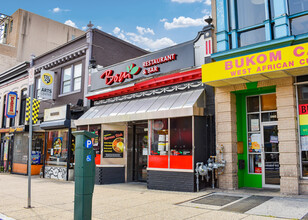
[84,174]
[31,82]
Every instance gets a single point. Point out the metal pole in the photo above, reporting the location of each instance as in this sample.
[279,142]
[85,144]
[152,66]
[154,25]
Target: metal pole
[30,141]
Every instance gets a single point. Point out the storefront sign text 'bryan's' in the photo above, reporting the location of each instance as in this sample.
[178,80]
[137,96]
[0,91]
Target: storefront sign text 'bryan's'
[264,62]
[150,67]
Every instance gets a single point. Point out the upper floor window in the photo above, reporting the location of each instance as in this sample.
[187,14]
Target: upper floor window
[71,78]
[11,26]
[3,114]
[37,87]
[298,21]
[250,19]
[250,12]
[297,6]
[23,104]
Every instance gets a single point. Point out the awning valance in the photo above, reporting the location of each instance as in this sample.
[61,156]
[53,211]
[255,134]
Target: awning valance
[180,104]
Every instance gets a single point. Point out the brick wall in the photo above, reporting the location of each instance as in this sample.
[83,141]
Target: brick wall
[173,181]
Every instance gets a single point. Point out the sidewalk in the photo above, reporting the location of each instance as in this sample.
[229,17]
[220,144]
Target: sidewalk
[53,199]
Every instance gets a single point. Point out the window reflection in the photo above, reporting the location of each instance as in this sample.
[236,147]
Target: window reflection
[252,37]
[250,12]
[296,6]
[299,25]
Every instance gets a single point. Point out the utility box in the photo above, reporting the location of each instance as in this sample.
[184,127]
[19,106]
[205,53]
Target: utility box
[84,174]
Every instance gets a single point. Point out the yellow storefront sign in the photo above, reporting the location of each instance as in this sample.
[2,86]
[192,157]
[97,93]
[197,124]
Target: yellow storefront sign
[258,63]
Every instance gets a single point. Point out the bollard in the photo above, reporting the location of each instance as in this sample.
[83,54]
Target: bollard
[84,175]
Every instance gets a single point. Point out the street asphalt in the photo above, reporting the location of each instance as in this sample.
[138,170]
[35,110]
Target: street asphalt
[54,199]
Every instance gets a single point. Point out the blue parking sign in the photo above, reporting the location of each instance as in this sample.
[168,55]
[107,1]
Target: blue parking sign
[88,144]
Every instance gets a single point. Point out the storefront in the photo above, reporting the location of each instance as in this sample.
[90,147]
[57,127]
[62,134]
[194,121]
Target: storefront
[14,150]
[260,118]
[20,153]
[59,159]
[156,117]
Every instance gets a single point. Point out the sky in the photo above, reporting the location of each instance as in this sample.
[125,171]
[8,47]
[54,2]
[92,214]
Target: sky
[149,24]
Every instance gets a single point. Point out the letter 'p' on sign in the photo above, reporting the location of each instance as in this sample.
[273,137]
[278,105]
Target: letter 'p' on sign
[88,144]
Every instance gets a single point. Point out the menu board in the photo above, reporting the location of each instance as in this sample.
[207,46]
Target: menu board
[113,144]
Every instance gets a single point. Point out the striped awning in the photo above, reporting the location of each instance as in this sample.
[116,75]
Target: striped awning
[179,104]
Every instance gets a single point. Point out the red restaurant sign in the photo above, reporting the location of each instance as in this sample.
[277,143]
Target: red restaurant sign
[150,66]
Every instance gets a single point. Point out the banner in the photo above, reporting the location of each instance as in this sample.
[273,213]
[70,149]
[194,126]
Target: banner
[47,79]
[113,144]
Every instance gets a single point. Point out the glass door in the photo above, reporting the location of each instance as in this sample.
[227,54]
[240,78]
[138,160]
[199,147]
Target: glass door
[270,155]
[141,152]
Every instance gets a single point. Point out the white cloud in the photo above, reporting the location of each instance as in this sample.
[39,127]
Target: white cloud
[116,30]
[182,22]
[55,10]
[58,10]
[143,30]
[84,28]
[70,23]
[151,44]
[186,1]
[140,40]
[99,27]
[208,2]
[163,20]
[206,12]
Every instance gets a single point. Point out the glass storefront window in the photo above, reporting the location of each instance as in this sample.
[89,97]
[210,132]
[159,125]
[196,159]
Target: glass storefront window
[253,122]
[57,147]
[173,153]
[96,129]
[20,151]
[261,108]
[268,102]
[303,126]
[181,136]
[159,137]
[253,104]
[38,148]
[255,163]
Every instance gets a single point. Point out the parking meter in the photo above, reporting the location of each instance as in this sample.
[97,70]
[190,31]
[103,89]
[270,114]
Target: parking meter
[84,174]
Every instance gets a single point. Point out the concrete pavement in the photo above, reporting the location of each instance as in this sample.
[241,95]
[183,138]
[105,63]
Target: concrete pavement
[53,199]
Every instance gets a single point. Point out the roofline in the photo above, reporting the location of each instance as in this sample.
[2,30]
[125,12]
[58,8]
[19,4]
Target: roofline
[150,53]
[61,46]
[118,39]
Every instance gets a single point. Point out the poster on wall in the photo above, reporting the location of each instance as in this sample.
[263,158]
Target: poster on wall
[113,144]
[57,146]
[254,143]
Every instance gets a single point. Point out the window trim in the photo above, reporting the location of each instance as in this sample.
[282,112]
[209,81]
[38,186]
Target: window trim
[22,111]
[72,78]
[236,36]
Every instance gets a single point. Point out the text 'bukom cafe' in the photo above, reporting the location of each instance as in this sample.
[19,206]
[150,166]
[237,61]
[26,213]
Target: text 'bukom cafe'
[261,103]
